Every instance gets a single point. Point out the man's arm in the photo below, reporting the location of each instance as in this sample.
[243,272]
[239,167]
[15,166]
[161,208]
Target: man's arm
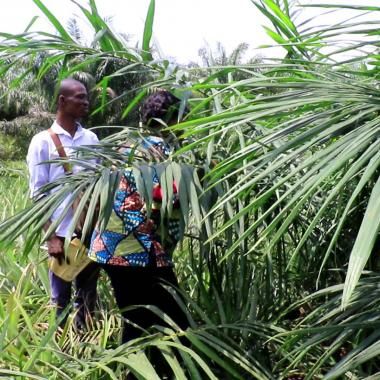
[38,152]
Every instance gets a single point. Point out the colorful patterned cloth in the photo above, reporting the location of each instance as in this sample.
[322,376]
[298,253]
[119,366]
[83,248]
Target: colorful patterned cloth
[131,237]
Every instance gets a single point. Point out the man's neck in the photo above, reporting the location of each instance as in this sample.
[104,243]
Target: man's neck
[69,124]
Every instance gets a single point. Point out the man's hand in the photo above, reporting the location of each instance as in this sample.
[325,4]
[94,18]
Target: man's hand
[55,247]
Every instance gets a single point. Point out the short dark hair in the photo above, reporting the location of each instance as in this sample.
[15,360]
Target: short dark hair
[162,104]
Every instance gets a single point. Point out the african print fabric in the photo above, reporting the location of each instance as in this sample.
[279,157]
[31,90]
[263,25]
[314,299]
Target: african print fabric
[132,237]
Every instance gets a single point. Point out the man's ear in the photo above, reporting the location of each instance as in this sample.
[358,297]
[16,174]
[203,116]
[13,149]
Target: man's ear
[61,100]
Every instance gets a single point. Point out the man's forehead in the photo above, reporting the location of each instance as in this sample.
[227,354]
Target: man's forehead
[79,87]
[69,87]
[81,90]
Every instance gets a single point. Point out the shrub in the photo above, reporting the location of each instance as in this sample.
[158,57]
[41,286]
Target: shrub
[15,135]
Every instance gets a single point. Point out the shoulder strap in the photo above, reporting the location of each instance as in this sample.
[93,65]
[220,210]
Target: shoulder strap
[60,149]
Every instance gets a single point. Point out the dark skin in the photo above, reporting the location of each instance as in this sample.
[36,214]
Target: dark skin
[73,105]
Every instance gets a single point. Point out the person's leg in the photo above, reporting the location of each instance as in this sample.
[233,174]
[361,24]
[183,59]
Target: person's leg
[164,300]
[131,286]
[143,286]
[85,297]
[60,294]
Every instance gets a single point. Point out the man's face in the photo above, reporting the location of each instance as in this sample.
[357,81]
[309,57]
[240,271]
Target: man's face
[75,102]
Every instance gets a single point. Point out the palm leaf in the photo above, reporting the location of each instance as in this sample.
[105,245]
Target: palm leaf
[148,29]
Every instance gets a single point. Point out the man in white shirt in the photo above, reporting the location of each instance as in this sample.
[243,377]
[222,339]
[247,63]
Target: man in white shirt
[73,105]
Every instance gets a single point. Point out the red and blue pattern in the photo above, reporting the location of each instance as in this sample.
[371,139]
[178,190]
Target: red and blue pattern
[129,207]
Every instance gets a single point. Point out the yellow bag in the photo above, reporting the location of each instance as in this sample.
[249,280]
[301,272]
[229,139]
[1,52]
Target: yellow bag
[73,263]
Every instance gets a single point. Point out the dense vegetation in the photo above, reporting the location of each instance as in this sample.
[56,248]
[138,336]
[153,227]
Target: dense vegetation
[280,260]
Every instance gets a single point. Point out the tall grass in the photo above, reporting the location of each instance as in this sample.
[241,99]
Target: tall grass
[32,346]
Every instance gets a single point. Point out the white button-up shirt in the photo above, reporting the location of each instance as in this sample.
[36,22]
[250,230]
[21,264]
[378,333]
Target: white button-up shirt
[41,149]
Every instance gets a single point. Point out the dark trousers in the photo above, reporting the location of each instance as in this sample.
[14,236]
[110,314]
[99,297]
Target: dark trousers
[85,293]
[142,286]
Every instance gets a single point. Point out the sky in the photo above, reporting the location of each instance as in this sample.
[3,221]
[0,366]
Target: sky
[181,27]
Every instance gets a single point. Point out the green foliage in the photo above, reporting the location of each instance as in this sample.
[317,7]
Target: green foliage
[32,347]
[278,174]
[15,135]
[19,95]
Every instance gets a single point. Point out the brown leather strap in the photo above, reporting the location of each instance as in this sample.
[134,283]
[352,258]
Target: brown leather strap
[60,149]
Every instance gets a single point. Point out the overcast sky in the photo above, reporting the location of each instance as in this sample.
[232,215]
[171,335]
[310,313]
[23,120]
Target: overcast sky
[181,26]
